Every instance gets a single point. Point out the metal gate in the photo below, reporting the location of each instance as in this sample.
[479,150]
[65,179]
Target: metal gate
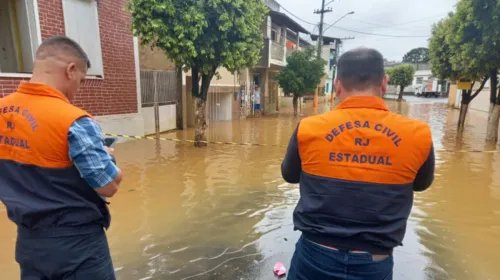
[214,104]
[247,99]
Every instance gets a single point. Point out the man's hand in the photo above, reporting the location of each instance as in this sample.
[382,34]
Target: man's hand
[111,152]
[112,188]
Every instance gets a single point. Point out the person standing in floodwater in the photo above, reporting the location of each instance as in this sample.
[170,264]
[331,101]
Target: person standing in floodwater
[56,171]
[256,100]
[358,167]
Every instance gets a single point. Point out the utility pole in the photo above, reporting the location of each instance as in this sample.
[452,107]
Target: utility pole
[320,38]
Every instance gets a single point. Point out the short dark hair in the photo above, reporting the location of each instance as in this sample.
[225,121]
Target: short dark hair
[360,69]
[57,44]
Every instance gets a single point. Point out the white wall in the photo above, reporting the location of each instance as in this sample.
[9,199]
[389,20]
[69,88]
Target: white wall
[128,124]
[325,55]
[425,74]
[167,118]
[481,102]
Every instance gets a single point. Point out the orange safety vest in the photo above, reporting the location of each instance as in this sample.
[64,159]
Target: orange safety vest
[359,162]
[39,184]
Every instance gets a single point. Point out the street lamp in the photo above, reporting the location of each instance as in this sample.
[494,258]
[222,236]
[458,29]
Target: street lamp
[349,13]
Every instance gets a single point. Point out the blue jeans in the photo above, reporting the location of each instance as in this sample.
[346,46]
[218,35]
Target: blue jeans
[315,262]
[72,257]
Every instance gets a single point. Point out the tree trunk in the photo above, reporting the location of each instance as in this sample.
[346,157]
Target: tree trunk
[463,114]
[493,86]
[295,104]
[200,139]
[493,120]
[464,106]
[494,112]
[400,97]
[201,123]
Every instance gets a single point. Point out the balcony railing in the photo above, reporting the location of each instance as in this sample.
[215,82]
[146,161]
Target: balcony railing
[277,51]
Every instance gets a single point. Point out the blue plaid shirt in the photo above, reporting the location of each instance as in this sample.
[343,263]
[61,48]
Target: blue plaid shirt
[86,151]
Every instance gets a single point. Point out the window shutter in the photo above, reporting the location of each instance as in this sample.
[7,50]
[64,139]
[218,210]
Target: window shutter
[81,22]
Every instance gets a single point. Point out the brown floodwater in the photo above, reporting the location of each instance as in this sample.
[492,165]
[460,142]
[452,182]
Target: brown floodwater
[225,213]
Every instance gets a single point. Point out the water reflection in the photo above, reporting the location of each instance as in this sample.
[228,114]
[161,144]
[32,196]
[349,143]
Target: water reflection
[224,212]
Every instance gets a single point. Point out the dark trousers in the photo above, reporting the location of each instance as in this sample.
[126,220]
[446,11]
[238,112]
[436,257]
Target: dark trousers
[315,262]
[70,257]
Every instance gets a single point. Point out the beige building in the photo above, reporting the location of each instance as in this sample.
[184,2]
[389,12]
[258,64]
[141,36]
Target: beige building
[329,53]
[232,95]
[281,39]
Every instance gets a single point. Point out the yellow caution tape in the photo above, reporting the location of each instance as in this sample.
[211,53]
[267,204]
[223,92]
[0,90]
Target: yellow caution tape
[191,141]
[257,144]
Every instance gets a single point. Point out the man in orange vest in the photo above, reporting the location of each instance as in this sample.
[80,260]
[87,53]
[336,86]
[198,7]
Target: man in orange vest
[56,172]
[358,167]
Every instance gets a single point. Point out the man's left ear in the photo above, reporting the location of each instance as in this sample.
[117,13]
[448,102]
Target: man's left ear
[70,70]
[385,83]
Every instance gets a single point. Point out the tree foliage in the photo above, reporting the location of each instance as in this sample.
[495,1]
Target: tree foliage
[402,76]
[417,55]
[302,74]
[440,52]
[467,43]
[202,35]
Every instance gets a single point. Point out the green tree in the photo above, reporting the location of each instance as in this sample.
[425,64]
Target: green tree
[202,36]
[463,47]
[483,36]
[302,74]
[402,76]
[463,39]
[416,56]
[440,51]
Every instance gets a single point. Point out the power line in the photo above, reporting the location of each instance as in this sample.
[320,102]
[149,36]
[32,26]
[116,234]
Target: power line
[329,3]
[381,35]
[297,16]
[366,33]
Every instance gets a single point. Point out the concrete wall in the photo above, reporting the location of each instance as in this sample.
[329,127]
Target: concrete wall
[167,118]
[481,102]
[226,78]
[154,59]
[128,124]
[325,55]
[452,96]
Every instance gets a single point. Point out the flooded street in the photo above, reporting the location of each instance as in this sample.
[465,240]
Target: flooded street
[225,213]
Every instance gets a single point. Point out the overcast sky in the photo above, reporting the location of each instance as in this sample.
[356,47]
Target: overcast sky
[386,17]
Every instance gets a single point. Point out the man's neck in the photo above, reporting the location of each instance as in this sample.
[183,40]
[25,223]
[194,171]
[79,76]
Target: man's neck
[360,93]
[44,80]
